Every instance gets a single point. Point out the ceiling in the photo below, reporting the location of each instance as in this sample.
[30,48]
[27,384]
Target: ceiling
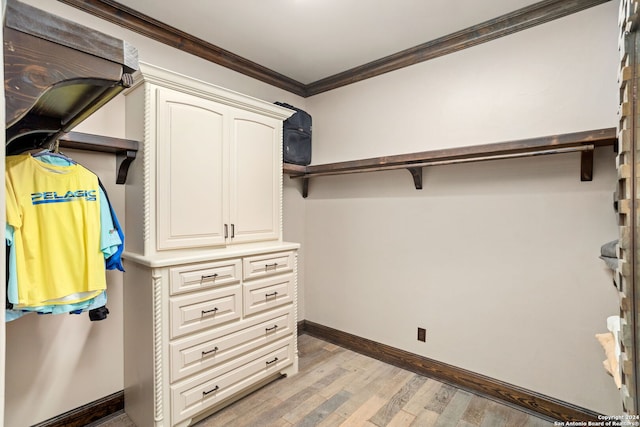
[308,40]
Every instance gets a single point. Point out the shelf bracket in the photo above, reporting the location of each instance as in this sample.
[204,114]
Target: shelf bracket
[586,165]
[124,159]
[416,173]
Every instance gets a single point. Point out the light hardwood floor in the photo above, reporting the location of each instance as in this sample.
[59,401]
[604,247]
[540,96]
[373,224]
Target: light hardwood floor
[338,387]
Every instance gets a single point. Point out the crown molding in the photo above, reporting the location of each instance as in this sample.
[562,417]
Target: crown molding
[130,19]
[521,19]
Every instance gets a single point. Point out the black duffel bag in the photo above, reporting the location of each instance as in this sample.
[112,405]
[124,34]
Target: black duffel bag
[296,136]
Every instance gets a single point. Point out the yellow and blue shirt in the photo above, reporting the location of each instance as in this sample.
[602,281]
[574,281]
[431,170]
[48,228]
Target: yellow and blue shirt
[55,215]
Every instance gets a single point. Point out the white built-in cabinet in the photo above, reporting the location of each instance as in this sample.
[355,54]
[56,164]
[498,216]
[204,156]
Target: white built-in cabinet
[210,292]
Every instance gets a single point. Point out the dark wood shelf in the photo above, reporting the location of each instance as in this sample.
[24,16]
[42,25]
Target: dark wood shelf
[124,149]
[583,142]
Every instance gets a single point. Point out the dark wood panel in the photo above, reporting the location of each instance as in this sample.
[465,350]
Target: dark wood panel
[30,20]
[32,66]
[530,401]
[88,413]
[91,142]
[518,20]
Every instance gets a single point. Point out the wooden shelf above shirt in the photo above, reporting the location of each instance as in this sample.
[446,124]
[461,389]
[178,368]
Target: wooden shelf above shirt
[583,142]
[124,149]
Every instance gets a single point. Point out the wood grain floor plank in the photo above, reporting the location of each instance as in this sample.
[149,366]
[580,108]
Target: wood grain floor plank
[364,412]
[340,383]
[425,418]
[288,405]
[299,412]
[315,373]
[398,401]
[401,419]
[515,418]
[493,416]
[323,411]
[362,391]
[370,375]
[463,423]
[333,420]
[475,411]
[452,413]
[441,399]
[416,404]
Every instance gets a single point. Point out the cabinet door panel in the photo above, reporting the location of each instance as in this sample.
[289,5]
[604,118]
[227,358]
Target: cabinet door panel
[191,171]
[256,174]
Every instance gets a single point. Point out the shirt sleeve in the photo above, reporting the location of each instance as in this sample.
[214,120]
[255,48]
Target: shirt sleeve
[109,237]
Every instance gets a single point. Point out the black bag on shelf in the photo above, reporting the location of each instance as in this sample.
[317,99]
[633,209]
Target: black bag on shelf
[296,137]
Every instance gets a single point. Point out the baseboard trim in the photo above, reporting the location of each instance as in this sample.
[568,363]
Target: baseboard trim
[529,401]
[88,413]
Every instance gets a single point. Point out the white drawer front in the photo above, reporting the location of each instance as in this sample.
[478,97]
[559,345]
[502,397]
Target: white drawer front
[199,310]
[267,264]
[204,391]
[196,353]
[204,276]
[265,294]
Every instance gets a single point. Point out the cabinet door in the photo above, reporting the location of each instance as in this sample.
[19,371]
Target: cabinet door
[256,173]
[191,171]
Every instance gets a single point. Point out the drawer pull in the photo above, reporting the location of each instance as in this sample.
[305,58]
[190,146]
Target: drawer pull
[216,388]
[273,294]
[274,266]
[210,276]
[269,362]
[204,353]
[213,310]
[273,328]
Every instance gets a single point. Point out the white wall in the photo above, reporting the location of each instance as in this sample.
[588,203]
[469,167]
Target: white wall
[497,260]
[58,363]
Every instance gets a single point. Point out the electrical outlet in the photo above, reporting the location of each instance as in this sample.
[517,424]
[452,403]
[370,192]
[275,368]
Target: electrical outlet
[422,334]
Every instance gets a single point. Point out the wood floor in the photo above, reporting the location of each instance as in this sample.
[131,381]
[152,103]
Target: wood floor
[338,387]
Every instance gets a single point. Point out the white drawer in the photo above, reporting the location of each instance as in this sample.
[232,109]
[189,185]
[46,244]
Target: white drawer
[267,264]
[204,391]
[265,294]
[202,351]
[195,311]
[204,276]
